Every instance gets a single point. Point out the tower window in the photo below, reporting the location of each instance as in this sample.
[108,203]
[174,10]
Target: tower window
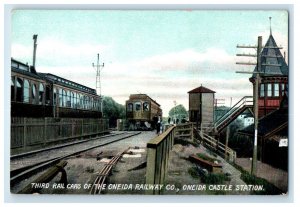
[276,89]
[262,90]
[269,90]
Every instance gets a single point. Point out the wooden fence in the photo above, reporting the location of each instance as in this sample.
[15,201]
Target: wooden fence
[26,132]
[215,145]
[158,150]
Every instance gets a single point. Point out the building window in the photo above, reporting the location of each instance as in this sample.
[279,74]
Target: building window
[129,107]
[145,106]
[262,90]
[137,106]
[33,93]
[269,90]
[276,89]
[41,93]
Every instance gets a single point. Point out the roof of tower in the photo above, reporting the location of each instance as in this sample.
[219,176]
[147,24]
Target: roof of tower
[272,61]
[201,89]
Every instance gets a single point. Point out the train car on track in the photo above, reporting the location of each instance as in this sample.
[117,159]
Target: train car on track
[36,94]
[142,112]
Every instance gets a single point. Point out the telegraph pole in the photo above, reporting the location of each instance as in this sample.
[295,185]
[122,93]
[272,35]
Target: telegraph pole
[255,104]
[34,49]
[98,80]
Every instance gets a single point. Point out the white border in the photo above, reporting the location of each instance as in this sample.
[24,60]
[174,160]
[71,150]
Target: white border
[5,40]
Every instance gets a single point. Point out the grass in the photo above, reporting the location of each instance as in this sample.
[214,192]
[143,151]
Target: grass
[185,142]
[269,188]
[215,178]
[210,178]
[207,158]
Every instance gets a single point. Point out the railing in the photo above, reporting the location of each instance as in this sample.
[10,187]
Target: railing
[246,101]
[158,150]
[28,133]
[215,145]
[184,131]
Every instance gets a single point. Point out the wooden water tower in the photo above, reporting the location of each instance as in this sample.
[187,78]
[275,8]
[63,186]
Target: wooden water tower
[201,105]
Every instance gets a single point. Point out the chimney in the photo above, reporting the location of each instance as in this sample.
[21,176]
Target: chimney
[34,49]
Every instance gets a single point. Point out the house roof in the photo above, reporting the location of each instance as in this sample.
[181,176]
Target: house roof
[201,89]
[272,61]
[273,123]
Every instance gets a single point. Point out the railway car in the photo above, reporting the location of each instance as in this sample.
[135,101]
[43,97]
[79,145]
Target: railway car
[142,112]
[36,94]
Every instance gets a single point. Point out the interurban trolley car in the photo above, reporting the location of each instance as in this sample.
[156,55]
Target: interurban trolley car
[142,112]
[36,94]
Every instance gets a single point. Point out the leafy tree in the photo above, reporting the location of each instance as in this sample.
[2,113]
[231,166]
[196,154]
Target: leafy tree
[112,110]
[179,112]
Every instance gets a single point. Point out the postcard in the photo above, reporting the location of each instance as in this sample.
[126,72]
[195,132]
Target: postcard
[149,102]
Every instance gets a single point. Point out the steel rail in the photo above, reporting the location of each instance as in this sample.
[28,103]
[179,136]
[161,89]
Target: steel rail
[19,174]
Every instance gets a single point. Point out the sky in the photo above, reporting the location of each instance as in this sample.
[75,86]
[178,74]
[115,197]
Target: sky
[163,53]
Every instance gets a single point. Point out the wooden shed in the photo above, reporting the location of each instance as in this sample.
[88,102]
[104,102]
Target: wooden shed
[201,105]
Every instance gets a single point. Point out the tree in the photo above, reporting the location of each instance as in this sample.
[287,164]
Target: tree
[178,112]
[112,110]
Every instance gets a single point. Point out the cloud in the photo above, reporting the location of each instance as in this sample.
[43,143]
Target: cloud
[52,52]
[188,60]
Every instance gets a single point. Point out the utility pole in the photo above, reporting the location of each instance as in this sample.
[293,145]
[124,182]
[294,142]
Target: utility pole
[34,49]
[255,104]
[98,80]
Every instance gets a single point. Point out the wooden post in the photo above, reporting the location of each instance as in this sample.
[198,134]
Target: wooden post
[192,132]
[24,132]
[45,131]
[82,127]
[226,142]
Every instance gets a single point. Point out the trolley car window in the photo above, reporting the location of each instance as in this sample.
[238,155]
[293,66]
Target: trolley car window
[12,88]
[54,97]
[65,98]
[60,94]
[33,93]
[47,101]
[72,100]
[19,95]
[137,106]
[80,101]
[26,91]
[145,106]
[41,93]
[23,67]
[130,107]
[68,104]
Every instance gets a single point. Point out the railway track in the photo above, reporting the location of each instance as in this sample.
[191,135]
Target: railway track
[98,184]
[30,163]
